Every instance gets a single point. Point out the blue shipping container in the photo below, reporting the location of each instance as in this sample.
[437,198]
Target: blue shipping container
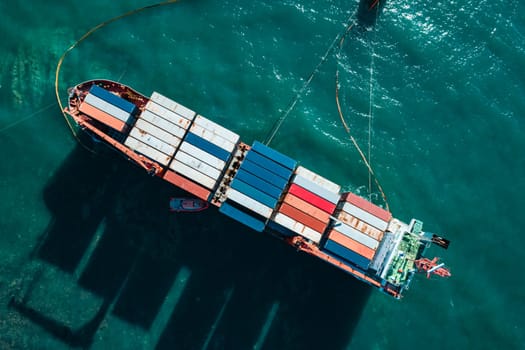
[346,254]
[113,99]
[258,183]
[281,229]
[207,146]
[264,174]
[268,164]
[274,155]
[242,217]
[254,193]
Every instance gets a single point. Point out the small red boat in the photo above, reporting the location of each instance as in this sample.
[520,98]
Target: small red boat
[187,204]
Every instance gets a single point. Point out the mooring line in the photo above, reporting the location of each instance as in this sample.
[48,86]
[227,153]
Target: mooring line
[340,37]
[32,115]
[84,37]
[276,126]
[365,159]
[371,106]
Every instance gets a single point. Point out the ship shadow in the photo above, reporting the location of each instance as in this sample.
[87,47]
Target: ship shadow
[98,235]
[77,199]
[280,298]
[81,338]
[111,230]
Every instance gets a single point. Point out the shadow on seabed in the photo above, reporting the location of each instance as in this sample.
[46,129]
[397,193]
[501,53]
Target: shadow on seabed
[187,280]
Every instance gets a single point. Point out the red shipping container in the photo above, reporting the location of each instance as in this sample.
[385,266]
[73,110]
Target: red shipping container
[311,198]
[368,206]
[102,117]
[187,185]
[303,218]
[349,243]
[307,208]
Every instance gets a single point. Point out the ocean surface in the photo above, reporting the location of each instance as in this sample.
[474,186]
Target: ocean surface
[90,257]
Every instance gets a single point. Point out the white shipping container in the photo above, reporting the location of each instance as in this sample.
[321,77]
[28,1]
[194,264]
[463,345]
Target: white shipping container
[365,216]
[356,235]
[146,150]
[158,132]
[318,179]
[316,189]
[185,112]
[360,225]
[152,141]
[107,107]
[193,174]
[212,137]
[216,128]
[202,155]
[168,115]
[196,164]
[172,105]
[249,203]
[291,224]
[162,123]
[163,100]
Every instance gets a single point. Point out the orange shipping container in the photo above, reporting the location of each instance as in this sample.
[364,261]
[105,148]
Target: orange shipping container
[102,117]
[362,226]
[307,208]
[187,185]
[303,218]
[349,243]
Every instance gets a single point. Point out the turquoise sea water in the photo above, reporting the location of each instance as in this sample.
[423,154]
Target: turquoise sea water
[91,258]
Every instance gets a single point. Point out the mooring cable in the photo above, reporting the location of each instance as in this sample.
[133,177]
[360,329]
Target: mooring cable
[276,126]
[84,37]
[339,38]
[365,159]
[30,116]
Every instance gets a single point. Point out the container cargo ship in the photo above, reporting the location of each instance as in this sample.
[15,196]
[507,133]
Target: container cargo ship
[255,185]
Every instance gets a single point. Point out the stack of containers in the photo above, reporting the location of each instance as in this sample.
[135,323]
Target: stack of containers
[203,155]
[257,186]
[159,130]
[360,227]
[108,108]
[306,208]
[373,224]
